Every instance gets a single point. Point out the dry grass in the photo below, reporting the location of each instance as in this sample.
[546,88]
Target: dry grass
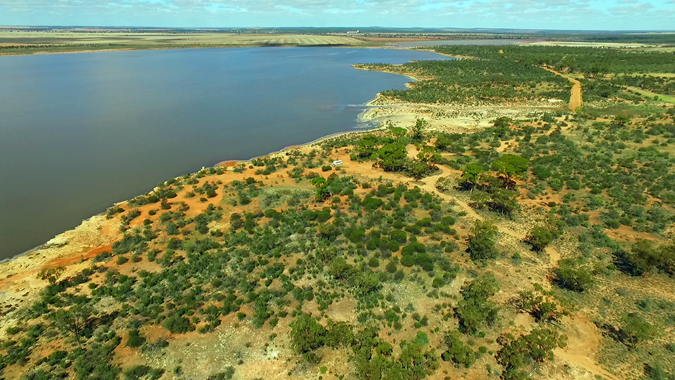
[663,98]
[39,38]
[50,42]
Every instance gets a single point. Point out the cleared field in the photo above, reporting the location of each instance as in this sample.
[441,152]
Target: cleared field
[49,41]
[664,98]
[663,75]
[590,44]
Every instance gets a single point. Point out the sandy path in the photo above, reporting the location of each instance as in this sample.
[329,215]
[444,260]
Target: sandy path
[583,342]
[430,186]
[575,97]
[583,336]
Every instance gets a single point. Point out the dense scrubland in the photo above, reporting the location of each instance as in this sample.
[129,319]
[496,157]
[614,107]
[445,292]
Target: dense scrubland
[499,74]
[536,248]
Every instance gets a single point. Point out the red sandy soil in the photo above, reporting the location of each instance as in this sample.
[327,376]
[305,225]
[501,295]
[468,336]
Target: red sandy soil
[228,164]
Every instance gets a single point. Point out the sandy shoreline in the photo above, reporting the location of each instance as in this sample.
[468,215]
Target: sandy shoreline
[361,118]
[233,163]
[379,111]
[55,241]
[74,248]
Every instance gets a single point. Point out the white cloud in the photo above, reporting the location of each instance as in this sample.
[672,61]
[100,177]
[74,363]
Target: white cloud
[549,14]
[633,10]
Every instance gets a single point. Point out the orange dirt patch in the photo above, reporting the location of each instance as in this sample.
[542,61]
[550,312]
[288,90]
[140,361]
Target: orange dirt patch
[60,262]
[228,164]
[625,233]
[65,261]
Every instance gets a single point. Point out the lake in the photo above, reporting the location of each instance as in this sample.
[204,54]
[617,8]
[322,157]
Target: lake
[79,132]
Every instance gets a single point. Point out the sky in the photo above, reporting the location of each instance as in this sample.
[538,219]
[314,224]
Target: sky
[516,14]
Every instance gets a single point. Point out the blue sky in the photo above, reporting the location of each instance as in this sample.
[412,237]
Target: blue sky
[517,14]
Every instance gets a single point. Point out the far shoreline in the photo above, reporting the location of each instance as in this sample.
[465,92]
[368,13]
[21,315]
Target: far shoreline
[36,51]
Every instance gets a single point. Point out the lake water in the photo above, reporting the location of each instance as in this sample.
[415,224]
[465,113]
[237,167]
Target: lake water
[79,132]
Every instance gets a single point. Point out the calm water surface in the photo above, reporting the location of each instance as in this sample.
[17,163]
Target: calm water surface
[79,132]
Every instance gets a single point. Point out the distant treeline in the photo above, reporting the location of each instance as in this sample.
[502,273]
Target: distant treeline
[476,81]
[586,60]
[645,38]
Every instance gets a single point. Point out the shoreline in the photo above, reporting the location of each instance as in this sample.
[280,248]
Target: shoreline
[225,163]
[230,163]
[364,117]
[28,51]
[376,112]
[359,119]
[130,48]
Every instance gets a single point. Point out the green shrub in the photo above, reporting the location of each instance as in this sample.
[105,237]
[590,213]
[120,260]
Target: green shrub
[103,256]
[556,184]
[143,372]
[307,334]
[448,220]
[635,330]
[532,348]
[399,236]
[571,275]
[422,338]
[311,358]
[539,238]
[542,306]
[338,335]
[481,241]
[225,375]
[412,248]
[457,352]
[655,371]
[177,324]
[475,309]
[371,203]
[135,339]
[408,260]
[670,347]
[646,257]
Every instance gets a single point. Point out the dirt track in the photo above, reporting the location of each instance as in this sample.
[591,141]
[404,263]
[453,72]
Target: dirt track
[575,97]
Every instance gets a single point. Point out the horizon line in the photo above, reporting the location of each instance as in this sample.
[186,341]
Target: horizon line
[504,30]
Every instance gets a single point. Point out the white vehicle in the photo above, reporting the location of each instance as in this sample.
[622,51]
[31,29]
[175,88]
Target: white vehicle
[337,162]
